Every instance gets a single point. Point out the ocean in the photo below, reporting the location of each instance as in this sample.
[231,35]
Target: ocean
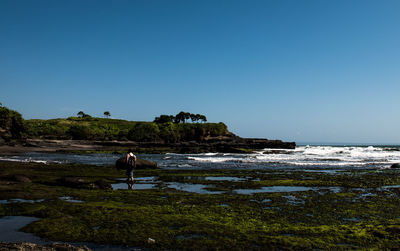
[305,158]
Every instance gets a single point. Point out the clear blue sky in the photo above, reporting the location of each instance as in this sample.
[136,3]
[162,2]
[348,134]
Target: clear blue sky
[312,70]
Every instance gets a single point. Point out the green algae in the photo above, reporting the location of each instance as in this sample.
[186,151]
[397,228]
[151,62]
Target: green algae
[176,220]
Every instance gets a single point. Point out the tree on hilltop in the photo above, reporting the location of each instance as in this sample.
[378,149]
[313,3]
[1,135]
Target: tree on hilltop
[203,118]
[194,117]
[187,116]
[81,114]
[180,117]
[164,119]
[107,114]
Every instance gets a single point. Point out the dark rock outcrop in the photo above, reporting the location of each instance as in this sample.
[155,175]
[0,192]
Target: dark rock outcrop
[225,144]
[22,178]
[79,183]
[397,165]
[277,151]
[102,184]
[140,164]
[72,182]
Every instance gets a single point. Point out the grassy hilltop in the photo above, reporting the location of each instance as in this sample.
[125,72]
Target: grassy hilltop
[122,130]
[167,133]
[166,129]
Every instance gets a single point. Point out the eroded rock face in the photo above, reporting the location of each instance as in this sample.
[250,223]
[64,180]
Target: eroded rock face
[397,165]
[140,164]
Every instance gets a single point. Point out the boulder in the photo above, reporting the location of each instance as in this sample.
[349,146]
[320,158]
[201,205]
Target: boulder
[274,151]
[140,163]
[397,165]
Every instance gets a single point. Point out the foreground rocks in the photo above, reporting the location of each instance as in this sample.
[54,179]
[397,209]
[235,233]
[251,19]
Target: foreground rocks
[27,246]
[75,182]
[229,143]
[22,178]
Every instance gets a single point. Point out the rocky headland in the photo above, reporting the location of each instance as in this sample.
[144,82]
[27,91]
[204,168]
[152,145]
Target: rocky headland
[114,135]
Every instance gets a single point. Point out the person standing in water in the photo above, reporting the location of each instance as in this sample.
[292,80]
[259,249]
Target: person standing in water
[130,165]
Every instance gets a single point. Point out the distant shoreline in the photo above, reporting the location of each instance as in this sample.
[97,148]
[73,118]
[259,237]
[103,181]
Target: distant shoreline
[235,145]
[346,144]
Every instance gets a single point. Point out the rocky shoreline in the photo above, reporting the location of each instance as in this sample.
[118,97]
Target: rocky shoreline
[232,144]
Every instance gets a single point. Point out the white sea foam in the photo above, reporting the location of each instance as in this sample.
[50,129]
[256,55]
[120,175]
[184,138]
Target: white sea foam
[213,159]
[312,156]
[26,160]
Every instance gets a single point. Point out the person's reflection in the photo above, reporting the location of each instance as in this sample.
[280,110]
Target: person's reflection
[130,185]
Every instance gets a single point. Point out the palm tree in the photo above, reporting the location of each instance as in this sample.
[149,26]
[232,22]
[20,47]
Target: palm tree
[107,114]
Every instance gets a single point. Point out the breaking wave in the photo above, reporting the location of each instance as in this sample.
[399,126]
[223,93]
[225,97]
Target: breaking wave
[323,156]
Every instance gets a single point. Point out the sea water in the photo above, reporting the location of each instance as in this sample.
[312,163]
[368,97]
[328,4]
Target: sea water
[303,157]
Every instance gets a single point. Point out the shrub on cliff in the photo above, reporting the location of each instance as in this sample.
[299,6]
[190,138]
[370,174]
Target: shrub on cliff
[79,132]
[11,124]
[52,128]
[168,132]
[144,131]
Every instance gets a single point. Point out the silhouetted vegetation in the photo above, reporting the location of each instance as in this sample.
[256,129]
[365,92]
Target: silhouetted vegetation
[164,119]
[107,114]
[11,124]
[181,117]
[81,114]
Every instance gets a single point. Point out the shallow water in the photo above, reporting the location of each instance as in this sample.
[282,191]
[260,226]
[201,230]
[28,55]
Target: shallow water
[9,226]
[293,200]
[9,232]
[285,189]
[20,201]
[135,186]
[191,188]
[389,187]
[224,178]
[70,199]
